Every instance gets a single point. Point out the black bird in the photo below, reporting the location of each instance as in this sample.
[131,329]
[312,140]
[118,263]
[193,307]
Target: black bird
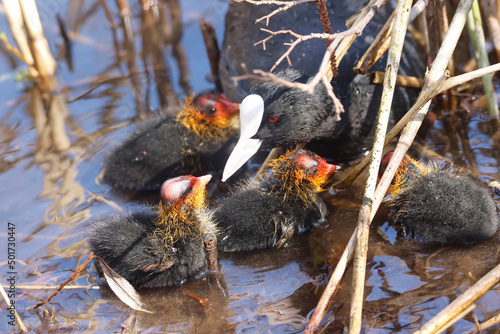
[174,145]
[163,246]
[441,205]
[284,204]
[291,116]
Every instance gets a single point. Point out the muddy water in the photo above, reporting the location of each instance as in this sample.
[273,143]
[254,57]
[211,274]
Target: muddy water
[46,198]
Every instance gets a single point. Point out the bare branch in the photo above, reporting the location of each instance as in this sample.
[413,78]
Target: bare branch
[285,6]
[339,108]
[299,39]
[263,76]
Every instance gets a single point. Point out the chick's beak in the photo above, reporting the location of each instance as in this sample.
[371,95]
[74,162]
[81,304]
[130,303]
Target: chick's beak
[251,112]
[332,169]
[230,108]
[203,180]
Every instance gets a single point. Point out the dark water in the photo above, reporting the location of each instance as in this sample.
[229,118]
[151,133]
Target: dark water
[46,196]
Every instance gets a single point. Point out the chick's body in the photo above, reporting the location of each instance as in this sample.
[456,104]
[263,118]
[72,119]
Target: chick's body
[283,205]
[173,145]
[442,205]
[159,248]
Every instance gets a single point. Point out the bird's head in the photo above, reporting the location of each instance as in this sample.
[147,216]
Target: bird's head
[182,205]
[209,115]
[302,173]
[408,170]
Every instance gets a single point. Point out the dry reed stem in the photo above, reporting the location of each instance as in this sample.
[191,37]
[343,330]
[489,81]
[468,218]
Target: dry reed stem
[381,42]
[16,315]
[401,20]
[487,324]
[27,29]
[263,168]
[344,45]
[377,77]
[356,29]
[15,18]
[377,48]
[490,10]
[332,286]
[437,88]
[39,46]
[434,78]
[464,301]
[456,318]
[483,61]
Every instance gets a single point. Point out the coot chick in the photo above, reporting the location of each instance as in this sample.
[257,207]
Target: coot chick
[174,145]
[155,248]
[284,204]
[441,205]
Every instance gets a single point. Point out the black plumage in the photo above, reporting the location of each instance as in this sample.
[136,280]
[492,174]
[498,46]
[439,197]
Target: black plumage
[162,247]
[183,144]
[292,116]
[284,204]
[442,205]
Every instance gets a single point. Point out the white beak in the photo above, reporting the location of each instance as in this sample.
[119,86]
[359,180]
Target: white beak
[251,112]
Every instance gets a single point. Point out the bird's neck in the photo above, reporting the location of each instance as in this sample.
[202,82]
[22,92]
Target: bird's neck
[408,171]
[179,221]
[294,184]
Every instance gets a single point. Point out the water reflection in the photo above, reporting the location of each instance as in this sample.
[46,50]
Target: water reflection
[113,87]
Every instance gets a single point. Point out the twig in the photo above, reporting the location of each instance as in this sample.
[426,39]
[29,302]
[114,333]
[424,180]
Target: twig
[211,252]
[53,287]
[355,30]
[263,76]
[112,204]
[13,310]
[465,300]
[13,49]
[203,301]
[90,257]
[298,39]
[285,6]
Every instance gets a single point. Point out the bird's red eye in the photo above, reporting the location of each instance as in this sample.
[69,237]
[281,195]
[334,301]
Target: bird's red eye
[273,119]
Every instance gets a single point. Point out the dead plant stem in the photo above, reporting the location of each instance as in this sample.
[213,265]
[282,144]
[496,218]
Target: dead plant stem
[401,19]
[434,79]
